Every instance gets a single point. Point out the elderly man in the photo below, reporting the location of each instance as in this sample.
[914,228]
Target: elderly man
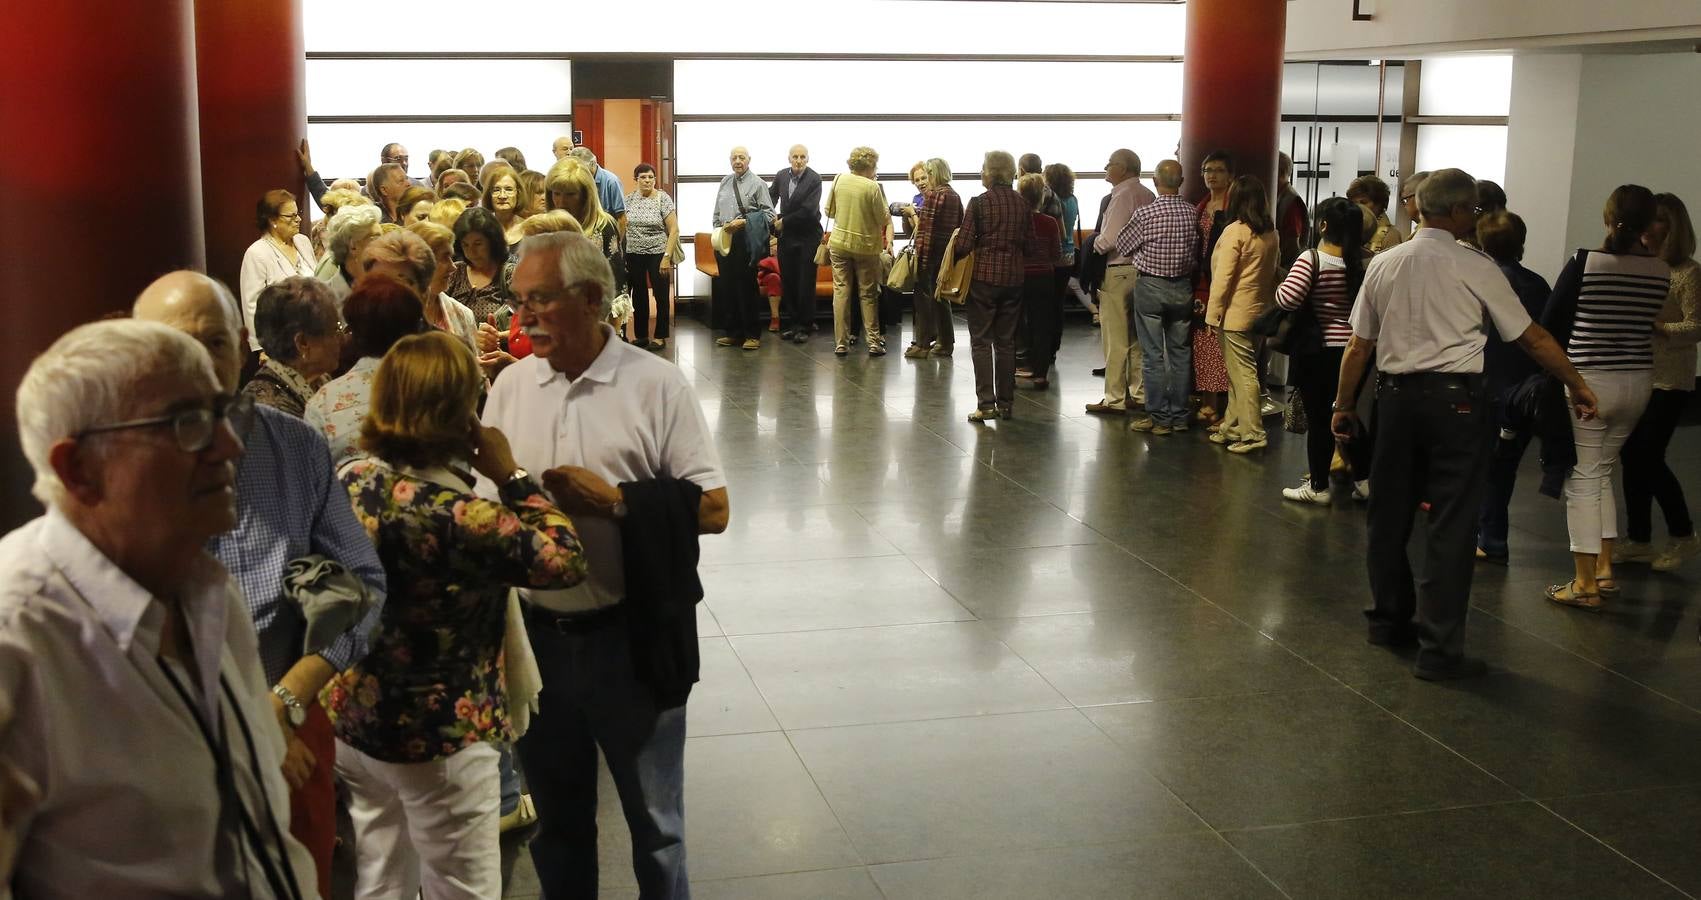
[611,427]
[1162,238]
[137,755]
[1423,313]
[737,304]
[289,506]
[609,192]
[796,193]
[1123,382]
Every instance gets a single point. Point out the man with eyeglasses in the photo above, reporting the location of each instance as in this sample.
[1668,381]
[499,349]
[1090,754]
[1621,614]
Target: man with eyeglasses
[395,154]
[609,426]
[137,756]
[290,506]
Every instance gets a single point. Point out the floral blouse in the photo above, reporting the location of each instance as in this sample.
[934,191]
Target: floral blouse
[340,406]
[433,680]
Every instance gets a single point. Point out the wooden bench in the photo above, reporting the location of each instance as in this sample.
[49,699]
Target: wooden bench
[703,253]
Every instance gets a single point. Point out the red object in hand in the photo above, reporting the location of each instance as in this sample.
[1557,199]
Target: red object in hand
[519,345]
[768,276]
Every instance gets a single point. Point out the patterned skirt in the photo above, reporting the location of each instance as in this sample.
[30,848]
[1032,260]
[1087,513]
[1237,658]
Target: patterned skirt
[1209,374]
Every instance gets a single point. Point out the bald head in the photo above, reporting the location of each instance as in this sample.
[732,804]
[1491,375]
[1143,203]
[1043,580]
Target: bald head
[740,158]
[1167,176]
[201,308]
[798,156]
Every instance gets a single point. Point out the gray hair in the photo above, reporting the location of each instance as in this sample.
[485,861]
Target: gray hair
[1444,190]
[581,262]
[1412,184]
[938,172]
[89,378]
[284,309]
[999,168]
[584,155]
[345,225]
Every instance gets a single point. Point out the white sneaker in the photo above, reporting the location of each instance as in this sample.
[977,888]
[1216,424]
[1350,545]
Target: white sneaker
[1305,493]
[1624,551]
[1361,490]
[1671,558]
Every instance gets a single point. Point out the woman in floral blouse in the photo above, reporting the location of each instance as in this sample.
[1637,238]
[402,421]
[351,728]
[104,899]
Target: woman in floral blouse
[420,720]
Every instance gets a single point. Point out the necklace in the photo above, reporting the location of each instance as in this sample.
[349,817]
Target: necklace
[283,250]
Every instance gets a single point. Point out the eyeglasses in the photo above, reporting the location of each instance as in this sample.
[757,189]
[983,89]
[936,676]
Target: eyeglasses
[1216,170]
[399,160]
[539,302]
[291,217]
[193,428]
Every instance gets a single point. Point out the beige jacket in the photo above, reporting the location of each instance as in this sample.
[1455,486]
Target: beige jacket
[1243,277]
[1677,329]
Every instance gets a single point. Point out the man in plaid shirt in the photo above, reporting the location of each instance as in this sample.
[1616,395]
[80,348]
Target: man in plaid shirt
[1162,238]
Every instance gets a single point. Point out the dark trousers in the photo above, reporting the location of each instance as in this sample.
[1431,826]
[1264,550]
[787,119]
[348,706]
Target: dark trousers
[993,311]
[1494,523]
[1432,445]
[735,291]
[1042,309]
[1318,376]
[797,277]
[643,270]
[1647,477]
[596,701]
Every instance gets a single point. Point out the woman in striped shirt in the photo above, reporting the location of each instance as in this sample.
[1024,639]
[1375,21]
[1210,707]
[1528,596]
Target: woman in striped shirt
[1326,280]
[1602,311]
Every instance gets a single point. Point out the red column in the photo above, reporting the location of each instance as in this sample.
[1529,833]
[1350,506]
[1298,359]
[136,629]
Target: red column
[252,73]
[1232,87]
[98,117]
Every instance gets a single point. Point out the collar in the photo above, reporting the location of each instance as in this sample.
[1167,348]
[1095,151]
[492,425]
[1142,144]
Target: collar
[1434,234]
[291,379]
[601,369]
[1124,186]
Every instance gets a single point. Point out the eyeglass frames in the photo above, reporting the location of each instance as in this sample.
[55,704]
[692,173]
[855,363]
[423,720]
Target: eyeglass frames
[193,428]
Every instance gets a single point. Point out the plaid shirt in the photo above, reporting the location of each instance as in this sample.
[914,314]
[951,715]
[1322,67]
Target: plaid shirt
[1162,237]
[940,214]
[999,230]
[289,505]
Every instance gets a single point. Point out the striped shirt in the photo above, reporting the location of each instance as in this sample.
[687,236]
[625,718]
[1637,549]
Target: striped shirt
[1618,296]
[1328,295]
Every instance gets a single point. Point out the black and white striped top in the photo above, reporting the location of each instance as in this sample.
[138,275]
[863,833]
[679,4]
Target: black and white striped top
[1617,300]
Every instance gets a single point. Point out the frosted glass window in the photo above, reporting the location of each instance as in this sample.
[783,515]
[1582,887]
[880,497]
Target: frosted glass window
[860,87]
[1083,146]
[351,150]
[1465,86]
[685,26]
[1478,149]
[439,87]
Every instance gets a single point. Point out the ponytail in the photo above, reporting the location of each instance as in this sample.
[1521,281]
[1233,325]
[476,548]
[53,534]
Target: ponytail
[1629,212]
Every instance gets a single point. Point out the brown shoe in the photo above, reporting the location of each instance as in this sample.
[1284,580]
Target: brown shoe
[1105,409]
[752,344]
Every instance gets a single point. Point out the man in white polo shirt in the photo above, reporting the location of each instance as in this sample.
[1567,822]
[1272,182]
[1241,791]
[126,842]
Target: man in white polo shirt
[590,413]
[1423,314]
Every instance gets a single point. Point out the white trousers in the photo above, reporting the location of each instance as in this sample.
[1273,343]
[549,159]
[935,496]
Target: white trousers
[1591,514]
[431,826]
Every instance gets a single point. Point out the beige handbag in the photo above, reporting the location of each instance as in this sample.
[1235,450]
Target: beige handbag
[955,273]
[823,257]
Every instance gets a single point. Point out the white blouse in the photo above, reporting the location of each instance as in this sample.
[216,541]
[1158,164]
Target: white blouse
[265,263]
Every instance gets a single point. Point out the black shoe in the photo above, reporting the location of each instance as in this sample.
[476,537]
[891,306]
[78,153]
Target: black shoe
[1452,670]
[800,337]
[1382,634]
[1098,372]
[787,334]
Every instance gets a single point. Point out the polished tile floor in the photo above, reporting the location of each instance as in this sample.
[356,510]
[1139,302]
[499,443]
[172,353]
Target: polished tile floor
[1051,658]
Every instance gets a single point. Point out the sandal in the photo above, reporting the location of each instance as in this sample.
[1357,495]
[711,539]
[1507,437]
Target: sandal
[1566,595]
[1608,588]
[1205,414]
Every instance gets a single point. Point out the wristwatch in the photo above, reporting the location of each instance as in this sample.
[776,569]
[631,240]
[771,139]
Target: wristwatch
[517,476]
[293,710]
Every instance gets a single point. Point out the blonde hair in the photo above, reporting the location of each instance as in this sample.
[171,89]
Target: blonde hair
[571,173]
[1032,188]
[550,222]
[1680,238]
[438,237]
[469,161]
[938,172]
[424,398]
[863,159]
[338,198]
[406,248]
[388,228]
[920,165]
[447,211]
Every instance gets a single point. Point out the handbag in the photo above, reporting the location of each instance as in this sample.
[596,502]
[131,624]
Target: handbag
[1294,418]
[823,256]
[1292,331]
[955,273]
[902,276]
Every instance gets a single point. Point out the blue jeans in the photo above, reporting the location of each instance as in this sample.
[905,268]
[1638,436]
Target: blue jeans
[510,780]
[592,698]
[1163,308]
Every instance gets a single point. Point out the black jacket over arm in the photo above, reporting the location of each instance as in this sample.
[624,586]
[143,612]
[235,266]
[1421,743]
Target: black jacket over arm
[800,212]
[659,540]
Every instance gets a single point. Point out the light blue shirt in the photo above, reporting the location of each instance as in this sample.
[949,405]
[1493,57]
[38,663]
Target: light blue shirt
[609,192]
[749,188]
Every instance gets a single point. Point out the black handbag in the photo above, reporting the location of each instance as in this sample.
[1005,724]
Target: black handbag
[1292,331]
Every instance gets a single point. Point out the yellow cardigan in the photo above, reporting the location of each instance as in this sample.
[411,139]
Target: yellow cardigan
[1243,277]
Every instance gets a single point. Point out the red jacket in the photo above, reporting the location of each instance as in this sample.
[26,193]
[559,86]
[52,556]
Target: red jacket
[768,276]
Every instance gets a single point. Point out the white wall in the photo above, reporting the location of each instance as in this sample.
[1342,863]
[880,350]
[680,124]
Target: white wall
[1325,28]
[1542,140]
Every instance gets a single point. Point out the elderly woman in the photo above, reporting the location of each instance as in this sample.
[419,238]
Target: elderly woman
[471,162]
[1042,302]
[1372,194]
[1243,279]
[480,279]
[452,176]
[379,312]
[505,197]
[347,234]
[302,335]
[861,229]
[998,229]
[652,228]
[421,720]
[333,200]
[411,258]
[534,188]
[281,252]
[385,186]
[416,205]
[939,214]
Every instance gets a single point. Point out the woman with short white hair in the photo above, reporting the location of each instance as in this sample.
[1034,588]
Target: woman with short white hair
[347,234]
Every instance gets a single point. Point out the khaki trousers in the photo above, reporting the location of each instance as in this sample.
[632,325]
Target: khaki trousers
[1122,378]
[859,272]
[1241,421]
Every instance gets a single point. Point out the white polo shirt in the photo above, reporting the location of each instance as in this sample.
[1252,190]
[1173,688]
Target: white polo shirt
[631,416]
[1426,303]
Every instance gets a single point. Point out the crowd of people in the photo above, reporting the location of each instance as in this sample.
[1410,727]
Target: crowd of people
[422,465]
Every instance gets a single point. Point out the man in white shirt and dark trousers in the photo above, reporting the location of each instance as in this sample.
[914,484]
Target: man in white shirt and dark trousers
[1422,313]
[598,418]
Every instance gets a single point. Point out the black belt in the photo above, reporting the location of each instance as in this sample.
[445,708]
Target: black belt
[1146,274]
[1471,380]
[1118,265]
[574,622]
